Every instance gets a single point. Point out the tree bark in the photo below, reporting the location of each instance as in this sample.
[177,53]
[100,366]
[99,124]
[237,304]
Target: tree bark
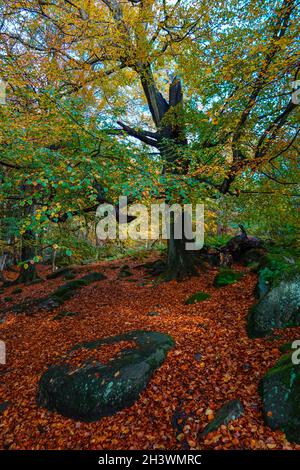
[169,139]
[181,262]
[29,275]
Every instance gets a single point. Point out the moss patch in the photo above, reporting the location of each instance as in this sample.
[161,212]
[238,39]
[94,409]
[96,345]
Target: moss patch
[67,290]
[64,314]
[226,277]
[198,297]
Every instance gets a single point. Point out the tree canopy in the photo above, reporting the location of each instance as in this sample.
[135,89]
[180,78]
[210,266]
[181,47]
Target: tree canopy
[152,98]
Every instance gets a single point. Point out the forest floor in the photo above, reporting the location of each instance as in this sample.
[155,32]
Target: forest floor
[213,361]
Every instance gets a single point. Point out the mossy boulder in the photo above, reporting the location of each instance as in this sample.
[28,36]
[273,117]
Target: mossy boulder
[263,284]
[69,276]
[67,290]
[226,277]
[232,410]
[198,297]
[125,271]
[94,389]
[93,277]
[277,265]
[280,392]
[59,296]
[66,271]
[64,314]
[279,308]
[254,255]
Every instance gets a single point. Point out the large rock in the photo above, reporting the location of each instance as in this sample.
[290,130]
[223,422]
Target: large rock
[280,391]
[254,255]
[232,410]
[263,284]
[94,389]
[67,290]
[211,255]
[239,245]
[125,271]
[277,265]
[56,298]
[279,308]
[60,272]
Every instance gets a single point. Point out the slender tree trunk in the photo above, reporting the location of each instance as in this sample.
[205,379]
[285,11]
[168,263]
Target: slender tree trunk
[29,275]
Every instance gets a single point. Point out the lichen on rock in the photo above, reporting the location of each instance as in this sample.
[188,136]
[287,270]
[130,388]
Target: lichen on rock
[280,391]
[94,389]
[279,308]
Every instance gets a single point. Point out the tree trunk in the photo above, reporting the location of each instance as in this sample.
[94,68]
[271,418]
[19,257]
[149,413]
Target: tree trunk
[29,275]
[169,138]
[2,266]
[181,263]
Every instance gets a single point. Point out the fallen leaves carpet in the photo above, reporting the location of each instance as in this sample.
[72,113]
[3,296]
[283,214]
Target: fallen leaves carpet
[213,361]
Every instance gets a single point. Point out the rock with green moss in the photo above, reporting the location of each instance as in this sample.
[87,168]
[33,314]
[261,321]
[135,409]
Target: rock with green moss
[66,271]
[198,297]
[125,271]
[232,410]
[263,284]
[59,296]
[279,264]
[279,308]
[69,276]
[67,290]
[64,314]
[280,392]
[226,277]
[94,390]
[254,255]
[93,277]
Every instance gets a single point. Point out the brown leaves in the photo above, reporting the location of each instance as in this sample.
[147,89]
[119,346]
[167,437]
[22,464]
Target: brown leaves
[214,361]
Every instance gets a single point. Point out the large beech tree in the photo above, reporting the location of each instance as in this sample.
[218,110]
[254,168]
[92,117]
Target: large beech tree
[207,85]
